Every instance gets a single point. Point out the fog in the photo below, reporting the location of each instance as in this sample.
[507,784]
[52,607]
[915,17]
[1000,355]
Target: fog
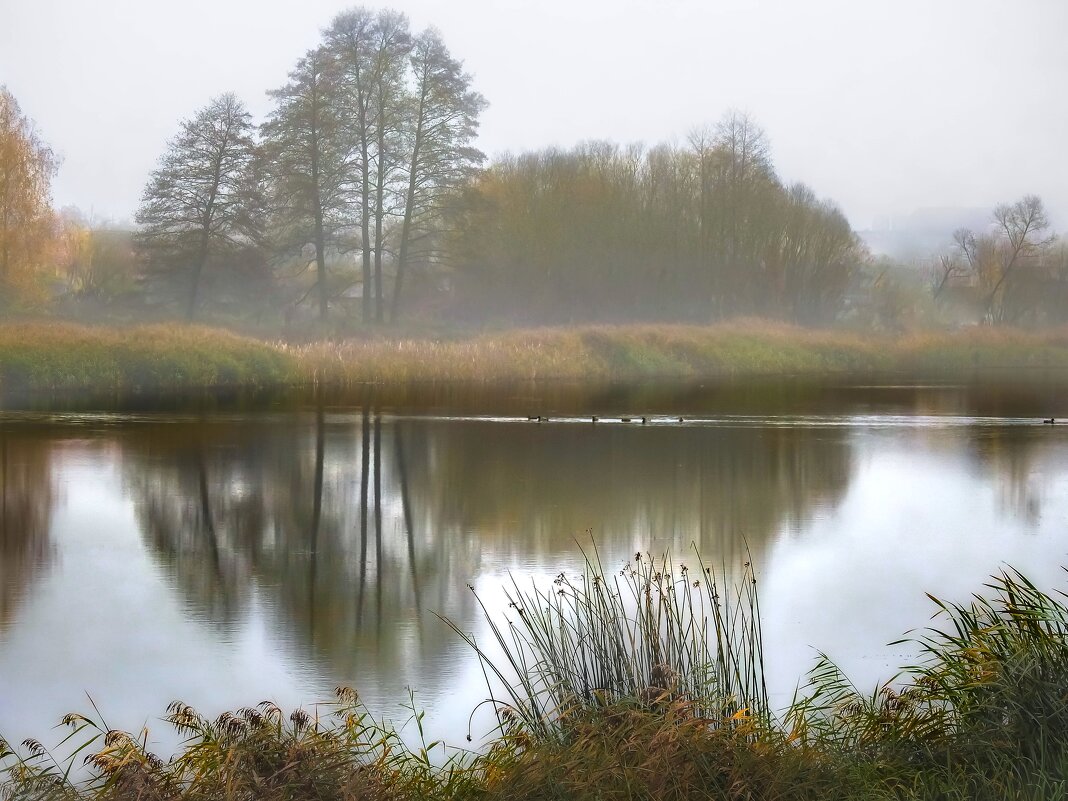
[886,107]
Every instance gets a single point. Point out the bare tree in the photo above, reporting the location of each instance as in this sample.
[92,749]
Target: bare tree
[737,188]
[369,51]
[442,118]
[1023,228]
[348,40]
[305,153]
[199,201]
[957,264]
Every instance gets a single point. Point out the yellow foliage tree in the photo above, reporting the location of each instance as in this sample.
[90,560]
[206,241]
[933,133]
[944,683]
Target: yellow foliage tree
[27,224]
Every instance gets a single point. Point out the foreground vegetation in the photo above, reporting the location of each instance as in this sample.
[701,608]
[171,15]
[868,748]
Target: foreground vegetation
[46,357]
[643,683]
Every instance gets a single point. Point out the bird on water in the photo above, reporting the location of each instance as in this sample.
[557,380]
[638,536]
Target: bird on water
[1050,421]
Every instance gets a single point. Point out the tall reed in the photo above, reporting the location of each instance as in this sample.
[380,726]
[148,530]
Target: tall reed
[643,683]
[991,687]
[652,633]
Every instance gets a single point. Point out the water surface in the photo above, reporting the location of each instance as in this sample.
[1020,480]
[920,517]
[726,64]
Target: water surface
[224,554]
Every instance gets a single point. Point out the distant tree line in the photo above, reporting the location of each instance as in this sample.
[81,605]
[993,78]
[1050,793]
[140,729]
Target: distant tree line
[361,198]
[699,232]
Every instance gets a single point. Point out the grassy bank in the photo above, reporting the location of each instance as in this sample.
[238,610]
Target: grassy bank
[45,357]
[635,352]
[48,357]
[643,683]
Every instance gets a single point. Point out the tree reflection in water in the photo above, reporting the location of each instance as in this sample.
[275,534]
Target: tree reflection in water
[27,496]
[288,509]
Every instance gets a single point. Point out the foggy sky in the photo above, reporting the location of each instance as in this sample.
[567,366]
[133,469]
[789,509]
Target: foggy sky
[884,107]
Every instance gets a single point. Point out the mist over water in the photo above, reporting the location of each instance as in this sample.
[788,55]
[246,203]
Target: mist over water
[224,557]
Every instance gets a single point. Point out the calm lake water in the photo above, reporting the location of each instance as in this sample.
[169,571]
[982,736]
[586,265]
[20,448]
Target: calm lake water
[232,552]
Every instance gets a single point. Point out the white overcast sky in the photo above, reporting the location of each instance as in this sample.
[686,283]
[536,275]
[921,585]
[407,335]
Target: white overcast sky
[885,106]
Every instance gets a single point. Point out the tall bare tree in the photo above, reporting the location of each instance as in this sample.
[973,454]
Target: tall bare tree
[393,43]
[442,119]
[1023,228]
[305,153]
[370,50]
[1006,264]
[27,166]
[200,202]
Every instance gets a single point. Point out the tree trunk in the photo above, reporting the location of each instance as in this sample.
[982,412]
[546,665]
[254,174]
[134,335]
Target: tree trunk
[365,211]
[198,268]
[380,211]
[320,268]
[409,203]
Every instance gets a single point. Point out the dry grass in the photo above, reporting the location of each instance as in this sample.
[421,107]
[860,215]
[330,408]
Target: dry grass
[984,716]
[637,352]
[44,357]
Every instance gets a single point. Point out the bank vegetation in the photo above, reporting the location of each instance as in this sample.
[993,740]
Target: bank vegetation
[49,357]
[639,683]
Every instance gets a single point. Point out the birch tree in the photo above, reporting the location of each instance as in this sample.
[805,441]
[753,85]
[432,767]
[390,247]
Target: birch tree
[27,166]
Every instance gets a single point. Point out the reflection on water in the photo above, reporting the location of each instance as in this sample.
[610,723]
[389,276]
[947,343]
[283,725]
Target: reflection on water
[26,497]
[314,515]
[288,550]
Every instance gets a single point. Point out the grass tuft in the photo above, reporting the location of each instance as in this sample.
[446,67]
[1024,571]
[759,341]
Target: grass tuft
[640,684]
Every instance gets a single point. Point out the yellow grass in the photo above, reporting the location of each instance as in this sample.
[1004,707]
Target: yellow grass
[43,357]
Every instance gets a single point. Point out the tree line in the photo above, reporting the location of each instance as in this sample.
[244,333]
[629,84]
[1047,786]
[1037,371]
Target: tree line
[698,232]
[358,156]
[361,197]
[365,172]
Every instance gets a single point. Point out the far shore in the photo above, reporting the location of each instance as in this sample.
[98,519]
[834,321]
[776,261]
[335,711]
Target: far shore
[38,358]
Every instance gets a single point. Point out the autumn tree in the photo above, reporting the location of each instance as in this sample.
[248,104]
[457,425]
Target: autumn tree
[27,166]
[737,187]
[201,205]
[602,232]
[808,258]
[94,259]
